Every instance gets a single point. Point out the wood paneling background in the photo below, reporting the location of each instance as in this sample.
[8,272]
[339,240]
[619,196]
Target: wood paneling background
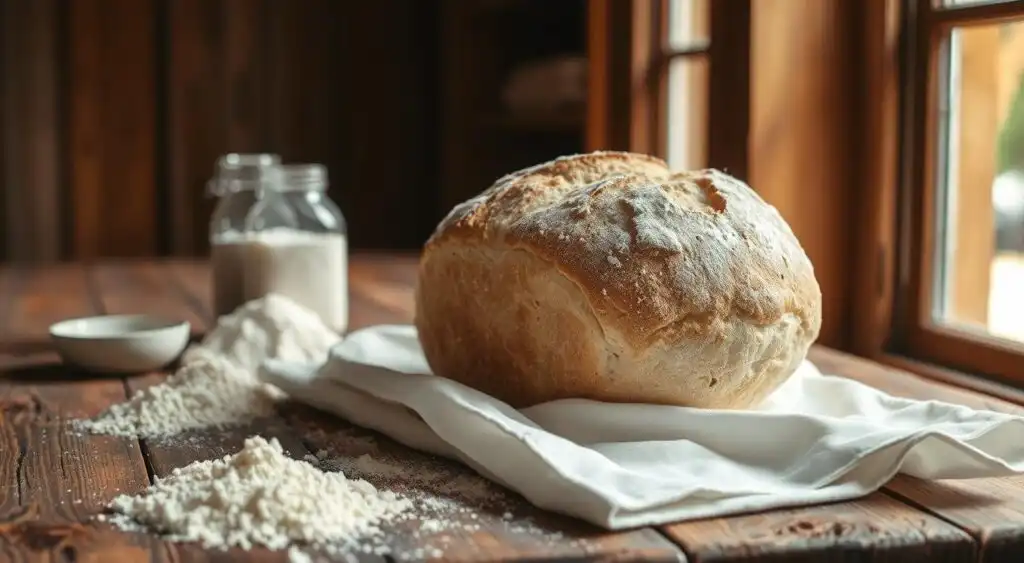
[32,50]
[113,112]
[112,115]
[802,152]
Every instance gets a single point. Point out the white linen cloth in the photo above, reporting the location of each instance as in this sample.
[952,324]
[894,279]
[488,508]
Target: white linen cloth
[816,439]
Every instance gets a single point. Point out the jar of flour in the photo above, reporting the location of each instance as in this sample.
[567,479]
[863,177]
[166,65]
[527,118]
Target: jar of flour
[238,181]
[296,245]
[282,234]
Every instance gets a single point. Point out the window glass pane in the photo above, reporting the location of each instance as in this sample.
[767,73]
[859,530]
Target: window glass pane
[980,204]
[687,23]
[687,113]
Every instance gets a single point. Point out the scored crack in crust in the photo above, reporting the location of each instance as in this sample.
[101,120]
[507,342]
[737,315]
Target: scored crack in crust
[609,276]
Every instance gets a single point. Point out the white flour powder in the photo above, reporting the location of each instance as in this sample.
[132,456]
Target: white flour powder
[449,501]
[217,383]
[273,326]
[454,489]
[260,496]
[207,392]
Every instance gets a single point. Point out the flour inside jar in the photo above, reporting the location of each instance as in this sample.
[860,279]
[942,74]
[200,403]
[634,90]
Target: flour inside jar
[309,268]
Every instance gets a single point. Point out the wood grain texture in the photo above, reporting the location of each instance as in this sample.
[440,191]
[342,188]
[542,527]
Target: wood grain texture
[902,383]
[54,480]
[381,290]
[597,127]
[150,288]
[166,454]
[481,521]
[144,287]
[31,134]
[991,510]
[224,95]
[114,111]
[877,26]
[876,528]
[799,149]
[247,76]
[391,144]
[10,281]
[308,113]
[945,345]
[163,455]
[946,521]
[459,98]
[57,292]
[376,298]
[312,113]
[4,126]
[873,519]
[113,127]
[193,278]
[62,479]
[246,42]
[729,91]
[197,115]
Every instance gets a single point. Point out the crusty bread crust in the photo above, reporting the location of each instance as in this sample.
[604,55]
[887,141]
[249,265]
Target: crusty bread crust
[608,276]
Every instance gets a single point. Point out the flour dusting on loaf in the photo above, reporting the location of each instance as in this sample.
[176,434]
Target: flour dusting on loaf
[609,276]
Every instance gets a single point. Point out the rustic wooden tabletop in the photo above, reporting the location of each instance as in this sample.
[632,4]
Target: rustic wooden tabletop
[53,482]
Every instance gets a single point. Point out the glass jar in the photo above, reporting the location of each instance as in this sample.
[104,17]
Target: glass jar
[237,182]
[294,244]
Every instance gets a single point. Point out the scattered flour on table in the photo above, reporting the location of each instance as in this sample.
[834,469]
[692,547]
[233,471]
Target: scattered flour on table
[260,497]
[328,505]
[216,384]
[448,488]
[448,501]
[204,393]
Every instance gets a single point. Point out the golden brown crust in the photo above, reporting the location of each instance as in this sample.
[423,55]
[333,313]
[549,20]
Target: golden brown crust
[655,252]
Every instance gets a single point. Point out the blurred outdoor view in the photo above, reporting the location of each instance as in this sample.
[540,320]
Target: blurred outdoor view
[980,226]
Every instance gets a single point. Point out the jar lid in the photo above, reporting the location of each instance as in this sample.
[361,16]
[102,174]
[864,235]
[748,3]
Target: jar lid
[235,171]
[304,177]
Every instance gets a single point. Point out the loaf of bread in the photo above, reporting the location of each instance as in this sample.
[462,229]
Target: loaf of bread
[607,276]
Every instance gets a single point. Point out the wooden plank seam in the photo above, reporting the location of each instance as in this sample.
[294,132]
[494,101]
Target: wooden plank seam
[909,519]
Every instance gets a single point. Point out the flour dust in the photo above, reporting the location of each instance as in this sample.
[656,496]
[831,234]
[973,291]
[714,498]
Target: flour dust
[216,384]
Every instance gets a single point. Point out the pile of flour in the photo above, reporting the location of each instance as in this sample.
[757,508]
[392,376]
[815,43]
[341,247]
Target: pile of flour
[217,383]
[273,326]
[260,497]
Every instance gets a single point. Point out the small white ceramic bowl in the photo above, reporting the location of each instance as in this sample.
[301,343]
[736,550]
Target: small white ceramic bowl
[120,343]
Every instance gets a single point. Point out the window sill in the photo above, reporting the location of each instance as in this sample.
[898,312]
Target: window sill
[905,377]
[991,510]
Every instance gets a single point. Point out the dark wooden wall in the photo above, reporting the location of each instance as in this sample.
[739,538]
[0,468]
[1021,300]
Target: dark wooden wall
[113,112]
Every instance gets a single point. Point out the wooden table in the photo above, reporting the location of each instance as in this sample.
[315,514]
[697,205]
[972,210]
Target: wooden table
[52,482]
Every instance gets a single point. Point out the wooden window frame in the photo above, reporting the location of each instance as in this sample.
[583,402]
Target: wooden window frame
[887,187]
[913,334]
[632,40]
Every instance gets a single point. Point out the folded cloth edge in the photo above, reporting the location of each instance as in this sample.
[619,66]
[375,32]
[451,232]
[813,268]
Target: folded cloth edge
[611,517]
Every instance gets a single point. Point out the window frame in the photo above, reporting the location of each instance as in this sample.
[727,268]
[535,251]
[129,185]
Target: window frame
[926,27]
[631,39]
[880,306]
